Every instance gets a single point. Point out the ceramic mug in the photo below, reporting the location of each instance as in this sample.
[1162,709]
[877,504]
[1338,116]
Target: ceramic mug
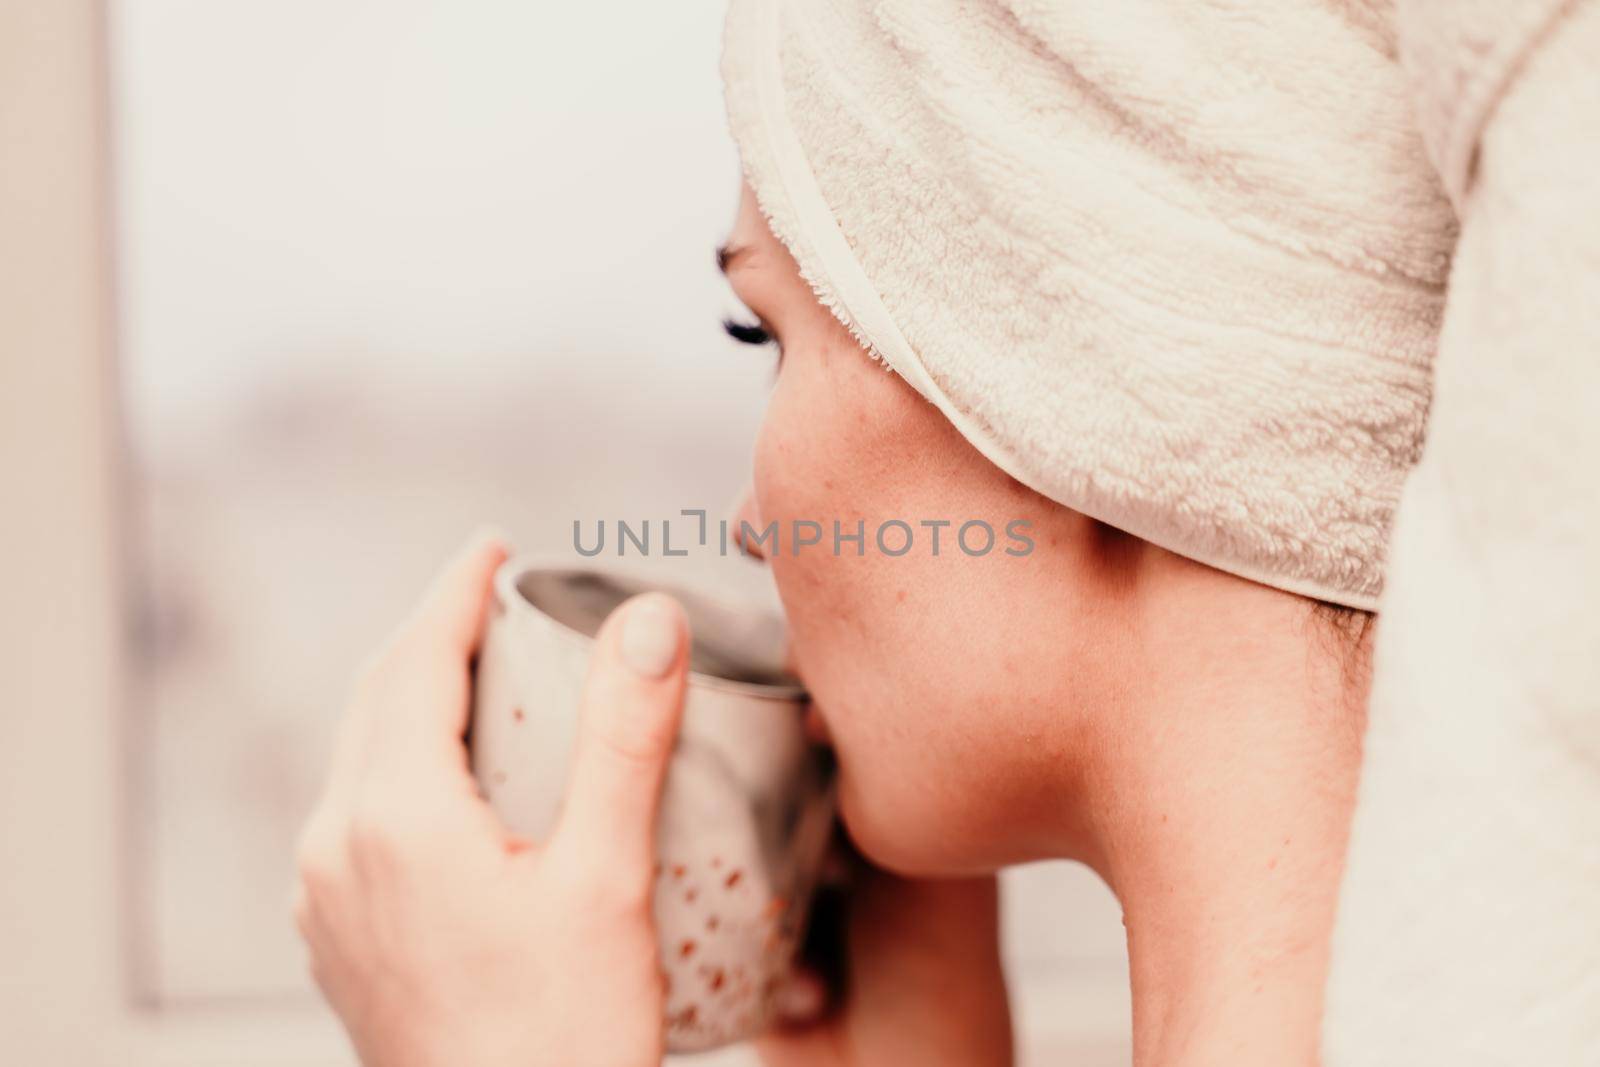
[747,805]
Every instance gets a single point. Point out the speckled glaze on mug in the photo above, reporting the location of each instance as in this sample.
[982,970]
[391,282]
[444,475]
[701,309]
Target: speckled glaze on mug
[747,806]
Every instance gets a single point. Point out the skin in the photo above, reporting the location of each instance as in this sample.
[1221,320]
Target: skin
[1192,736]
[431,929]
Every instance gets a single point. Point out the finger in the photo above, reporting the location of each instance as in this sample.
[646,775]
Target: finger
[450,616]
[410,708]
[628,721]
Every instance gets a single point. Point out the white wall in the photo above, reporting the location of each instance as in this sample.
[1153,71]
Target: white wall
[448,196]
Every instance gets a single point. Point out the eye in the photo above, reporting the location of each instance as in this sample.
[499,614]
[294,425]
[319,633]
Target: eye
[747,333]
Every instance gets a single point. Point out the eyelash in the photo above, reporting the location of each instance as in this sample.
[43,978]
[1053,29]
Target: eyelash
[747,333]
[753,333]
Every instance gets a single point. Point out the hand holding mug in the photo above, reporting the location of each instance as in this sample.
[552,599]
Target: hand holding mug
[440,937]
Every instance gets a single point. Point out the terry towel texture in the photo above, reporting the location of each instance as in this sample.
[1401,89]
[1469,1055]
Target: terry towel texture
[1177,266]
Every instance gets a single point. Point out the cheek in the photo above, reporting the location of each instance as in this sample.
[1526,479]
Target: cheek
[805,470]
[830,453]
[898,652]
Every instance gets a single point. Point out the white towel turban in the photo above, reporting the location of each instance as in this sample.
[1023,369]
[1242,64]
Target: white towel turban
[1179,267]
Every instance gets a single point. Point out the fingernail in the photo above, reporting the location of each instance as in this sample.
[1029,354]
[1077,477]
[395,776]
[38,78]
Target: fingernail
[650,636]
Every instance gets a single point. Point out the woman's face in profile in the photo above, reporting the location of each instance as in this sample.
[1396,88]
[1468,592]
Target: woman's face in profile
[930,671]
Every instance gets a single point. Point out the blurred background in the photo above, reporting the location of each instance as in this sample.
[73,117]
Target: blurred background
[296,294]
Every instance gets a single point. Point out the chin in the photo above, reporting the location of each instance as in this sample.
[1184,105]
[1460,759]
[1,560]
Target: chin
[900,835]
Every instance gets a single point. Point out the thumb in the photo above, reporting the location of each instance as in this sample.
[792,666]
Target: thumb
[627,724]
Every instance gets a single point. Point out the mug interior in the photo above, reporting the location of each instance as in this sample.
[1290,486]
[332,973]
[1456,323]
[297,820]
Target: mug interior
[731,647]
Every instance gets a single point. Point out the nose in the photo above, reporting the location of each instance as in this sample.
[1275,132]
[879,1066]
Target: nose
[747,516]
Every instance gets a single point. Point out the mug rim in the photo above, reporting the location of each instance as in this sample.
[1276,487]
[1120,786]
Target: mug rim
[506,591]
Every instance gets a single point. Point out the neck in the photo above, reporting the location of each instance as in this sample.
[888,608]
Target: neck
[1220,813]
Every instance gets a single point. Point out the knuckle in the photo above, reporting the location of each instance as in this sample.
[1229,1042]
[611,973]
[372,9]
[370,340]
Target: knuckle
[632,749]
[373,834]
[316,857]
[387,828]
[633,728]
